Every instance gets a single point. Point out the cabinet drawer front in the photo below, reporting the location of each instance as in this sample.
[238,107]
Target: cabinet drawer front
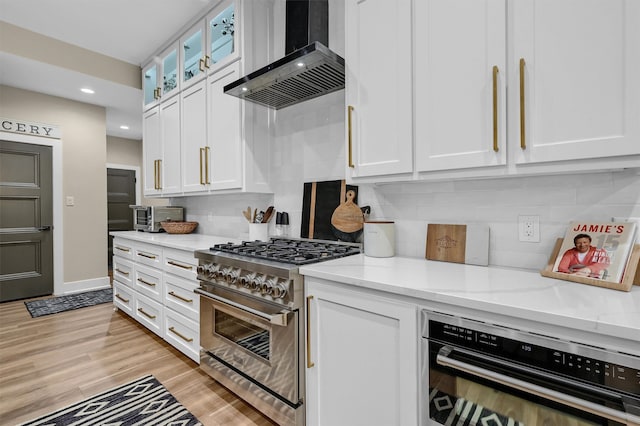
[183,334]
[123,271]
[149,313]
[123,248]
[148,254]
[181,263]
[148,281]
[179,295]
[123,298]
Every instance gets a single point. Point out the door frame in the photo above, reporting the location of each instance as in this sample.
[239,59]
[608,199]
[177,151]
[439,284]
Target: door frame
[56,176]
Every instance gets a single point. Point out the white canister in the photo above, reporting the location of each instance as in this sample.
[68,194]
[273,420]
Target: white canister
[379,238]
[258,232]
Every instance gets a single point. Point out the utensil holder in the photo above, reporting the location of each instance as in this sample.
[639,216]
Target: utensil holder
[259,232]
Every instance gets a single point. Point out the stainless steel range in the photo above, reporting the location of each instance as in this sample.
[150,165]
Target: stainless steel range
[251,313]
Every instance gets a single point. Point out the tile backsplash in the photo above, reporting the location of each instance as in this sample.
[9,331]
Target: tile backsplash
[307,145]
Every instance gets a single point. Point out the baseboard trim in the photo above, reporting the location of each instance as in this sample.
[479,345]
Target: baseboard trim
[84,285]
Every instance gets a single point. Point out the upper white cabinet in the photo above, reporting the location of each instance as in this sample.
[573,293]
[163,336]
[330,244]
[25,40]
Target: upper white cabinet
[574,79]
[378,87]
[460,84]
[193,63]
[160,77]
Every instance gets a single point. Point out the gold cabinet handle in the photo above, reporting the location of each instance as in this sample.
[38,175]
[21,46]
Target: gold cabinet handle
[201,163]
[309,362]
[523,142]
[122,298]
[146,314]
[159,174]
[122,249]
[121,271]
[495,108]
[350,137]
[201,65]
[186,339]
[177,296]
[206,164]
[148,256]
[188,267]
[146,282]
[207,61]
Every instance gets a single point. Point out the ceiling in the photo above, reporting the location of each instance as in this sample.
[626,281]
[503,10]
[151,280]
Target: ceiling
[128,30]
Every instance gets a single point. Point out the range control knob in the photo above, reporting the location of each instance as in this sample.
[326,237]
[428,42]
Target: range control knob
[268,286]
[279,290]
[231,276]
[213,271]
[201,270]
[256,283]
[245,280]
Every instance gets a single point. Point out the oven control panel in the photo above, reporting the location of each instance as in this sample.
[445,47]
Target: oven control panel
[570,362]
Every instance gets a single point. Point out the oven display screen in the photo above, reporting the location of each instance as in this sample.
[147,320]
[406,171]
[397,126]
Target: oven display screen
[244,334]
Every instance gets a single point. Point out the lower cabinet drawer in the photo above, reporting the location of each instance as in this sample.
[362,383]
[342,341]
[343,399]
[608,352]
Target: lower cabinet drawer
[123,297]
[183,334]
[179,295]
[123,271]
[149,313]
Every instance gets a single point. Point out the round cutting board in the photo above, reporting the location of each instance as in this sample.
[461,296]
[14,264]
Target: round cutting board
[348,217]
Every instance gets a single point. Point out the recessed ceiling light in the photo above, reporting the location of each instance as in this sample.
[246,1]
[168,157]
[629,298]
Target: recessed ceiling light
[87,90]
[244,89]
[300,64]
[123,127]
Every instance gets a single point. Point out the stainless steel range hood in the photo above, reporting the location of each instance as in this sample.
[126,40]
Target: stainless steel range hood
[305,72]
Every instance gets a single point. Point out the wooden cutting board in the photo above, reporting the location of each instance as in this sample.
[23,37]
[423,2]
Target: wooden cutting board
[458,243]
[319,201]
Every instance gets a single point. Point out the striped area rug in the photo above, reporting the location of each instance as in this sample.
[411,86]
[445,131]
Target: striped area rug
[54,305]
[142,402]
[449,410]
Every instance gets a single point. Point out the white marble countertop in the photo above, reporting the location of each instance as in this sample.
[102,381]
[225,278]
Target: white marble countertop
[512,292]
[177,241]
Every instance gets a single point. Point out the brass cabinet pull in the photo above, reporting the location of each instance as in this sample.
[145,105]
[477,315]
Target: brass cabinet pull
[159,174]
[146,282]
[207,61]
[495,108]
[350,137]
[122,298]
[177,296]
[189,267]
[201,65]
[155,174]
[122,249]
[201,179]
[122,272]
[146,314]
[206,165]
[186,339]
[148,256]
[309,362]
[523,142]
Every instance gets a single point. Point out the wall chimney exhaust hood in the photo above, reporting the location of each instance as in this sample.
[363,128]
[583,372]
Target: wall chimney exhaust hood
[308,70]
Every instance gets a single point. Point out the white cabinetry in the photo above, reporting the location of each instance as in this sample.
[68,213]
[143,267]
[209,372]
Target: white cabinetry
[155,286]
[378,87]
[362,360]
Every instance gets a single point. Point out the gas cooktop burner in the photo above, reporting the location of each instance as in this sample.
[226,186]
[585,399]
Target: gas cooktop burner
[297,252]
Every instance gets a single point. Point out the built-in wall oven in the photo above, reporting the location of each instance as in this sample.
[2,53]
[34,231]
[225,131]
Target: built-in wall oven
[479,373]
[251,313]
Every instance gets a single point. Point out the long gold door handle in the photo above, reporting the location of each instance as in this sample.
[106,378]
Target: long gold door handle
[206,164]
[159,174]
[186,339]
[146,314]
[309,362]
[350,137]
[495,108]
[523,142]
[155,174]
[201,164]
[177,296]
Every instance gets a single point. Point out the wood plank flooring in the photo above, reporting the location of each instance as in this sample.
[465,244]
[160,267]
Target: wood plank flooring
[53,361]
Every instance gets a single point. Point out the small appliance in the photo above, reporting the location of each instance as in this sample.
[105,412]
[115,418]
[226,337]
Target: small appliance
[148,218]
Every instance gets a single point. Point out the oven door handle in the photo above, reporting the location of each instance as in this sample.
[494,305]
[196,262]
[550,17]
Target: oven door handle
[281,318]
[443,358]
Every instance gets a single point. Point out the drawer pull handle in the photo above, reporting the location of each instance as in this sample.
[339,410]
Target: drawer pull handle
[122,298]
[148,256]
[495,109]
[186,339]
[146,282]
[121,271]
[123,249]
[146,314]
[177,296]
[188,267]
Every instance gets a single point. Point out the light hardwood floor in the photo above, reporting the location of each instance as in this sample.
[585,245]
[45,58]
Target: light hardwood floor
[53,361]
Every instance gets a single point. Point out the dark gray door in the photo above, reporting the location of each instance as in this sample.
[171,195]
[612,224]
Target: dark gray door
[26,221]
[121,193]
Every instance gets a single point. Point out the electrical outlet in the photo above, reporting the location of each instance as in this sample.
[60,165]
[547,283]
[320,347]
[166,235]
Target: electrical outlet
[529,229]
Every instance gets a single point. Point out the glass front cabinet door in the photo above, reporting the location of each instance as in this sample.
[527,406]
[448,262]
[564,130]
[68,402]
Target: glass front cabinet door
[170,82]
[222,46]
[193,59]
[150,87]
